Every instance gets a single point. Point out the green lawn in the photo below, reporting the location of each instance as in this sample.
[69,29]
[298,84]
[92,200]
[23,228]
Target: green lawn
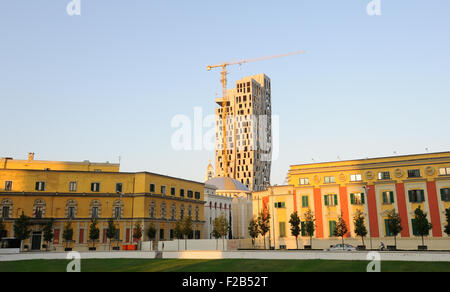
[175,265]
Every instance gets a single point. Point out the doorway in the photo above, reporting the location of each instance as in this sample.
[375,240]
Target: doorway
[36,241]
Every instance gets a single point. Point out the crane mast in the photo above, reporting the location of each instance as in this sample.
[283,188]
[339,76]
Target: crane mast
[224,102]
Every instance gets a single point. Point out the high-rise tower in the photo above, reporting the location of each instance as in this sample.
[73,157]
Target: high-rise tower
[248,132]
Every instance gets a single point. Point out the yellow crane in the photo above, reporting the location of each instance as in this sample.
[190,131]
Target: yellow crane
[224,100]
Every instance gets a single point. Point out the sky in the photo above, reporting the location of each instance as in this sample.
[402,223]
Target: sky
[108,83]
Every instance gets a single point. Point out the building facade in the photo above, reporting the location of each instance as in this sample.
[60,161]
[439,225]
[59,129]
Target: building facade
[79,193]
[246,153]
[216,206]
[373,186]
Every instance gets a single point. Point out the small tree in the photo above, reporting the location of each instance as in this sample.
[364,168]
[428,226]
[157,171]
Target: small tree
[215,233]
[221,227]
[68,233]
[187,229]
[295,226]
[394,225]
[111,231]
[137,233]
[341,229]
[2,228]
[21,229]
[264,225]
[94,232]
[447,227]
[48,233]
[151,232]
[178,232]
[360,227]
[310,225]
[421,224]
[253,230]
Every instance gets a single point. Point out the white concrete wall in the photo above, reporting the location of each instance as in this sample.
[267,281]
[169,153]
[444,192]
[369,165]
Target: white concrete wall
[204,244]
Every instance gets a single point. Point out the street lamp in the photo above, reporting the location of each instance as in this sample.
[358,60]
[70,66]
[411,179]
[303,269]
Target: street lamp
[366,190]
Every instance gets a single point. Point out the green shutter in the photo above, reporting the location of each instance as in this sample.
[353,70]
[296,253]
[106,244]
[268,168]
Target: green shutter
[386,226]
[330,226]
[326,200]
[392,197]
[422,196]
[363,199]
[307,202]
[443,195]
[352,199]
[275,205]
[414,227]
[335,200]
[410,196]
[384,198]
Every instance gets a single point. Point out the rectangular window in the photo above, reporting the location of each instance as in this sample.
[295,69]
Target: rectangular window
[413,173]
[304,181]
[197,195]
[171,234]
[5,212]
[117,212]
[329,179]
[331,200]
[40,186]
[71,212]
[445,195]
[119,187]
[161,234]
[356,177]
[414,230]
[94,212]
[303,228]
[282,229]
[416,196]
[73,186]
[444,171]
[386,227]
[152,188]
[172,191]
[332,228]
[357,199]
[182,193]
[163,190]
[8,185]
[305,202]
[386,175]
[190,194]
[388,198]
[280,205]
[95,187]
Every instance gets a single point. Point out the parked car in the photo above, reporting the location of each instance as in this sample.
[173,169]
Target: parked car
[341,247]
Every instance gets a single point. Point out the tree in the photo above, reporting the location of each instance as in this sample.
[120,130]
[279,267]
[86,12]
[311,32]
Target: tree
[221,228]
[94,232]
[341,229]
[21,229]
[48,233]
[360,227]
[111,231]
[394,224]
[253,230]
[421,224]
[447,227]
[310,226]
[264,225]
[178,232]
[68,233]
[187,229]
[2,228]
[151,232]
[215,233]
[295,226]
[137,233]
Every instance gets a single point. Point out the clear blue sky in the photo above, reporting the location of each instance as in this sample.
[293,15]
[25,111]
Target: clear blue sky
[108,82]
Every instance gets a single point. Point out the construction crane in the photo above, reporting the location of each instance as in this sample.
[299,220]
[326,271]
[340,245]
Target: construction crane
[224,99]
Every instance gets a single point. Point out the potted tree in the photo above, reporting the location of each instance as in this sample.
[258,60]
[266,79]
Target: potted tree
[360,228]
[341,229]
[111,232]
[253,231]
[264,225]
[215,232]
[94,235]
[395,227]
[222,228]
[137,234]
[187,229]
[68,236]
[295,226]
[22,231]
[48,234]
[421,226]
[310,227]
[178,232]
[151,233]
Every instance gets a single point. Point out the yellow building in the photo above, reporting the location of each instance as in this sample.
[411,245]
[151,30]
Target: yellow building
[78,192]
[374,186]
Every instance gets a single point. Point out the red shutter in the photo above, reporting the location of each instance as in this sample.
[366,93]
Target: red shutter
[56,237]
[81,236]
[128,235]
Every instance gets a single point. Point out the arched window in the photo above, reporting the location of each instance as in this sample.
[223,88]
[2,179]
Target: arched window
[118,209]
[182,212]
[95,209]
[71,209]
[163,211]
[190,211]
[152,212]
[173,212]
[197,213]
[39,208]
[6,208]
